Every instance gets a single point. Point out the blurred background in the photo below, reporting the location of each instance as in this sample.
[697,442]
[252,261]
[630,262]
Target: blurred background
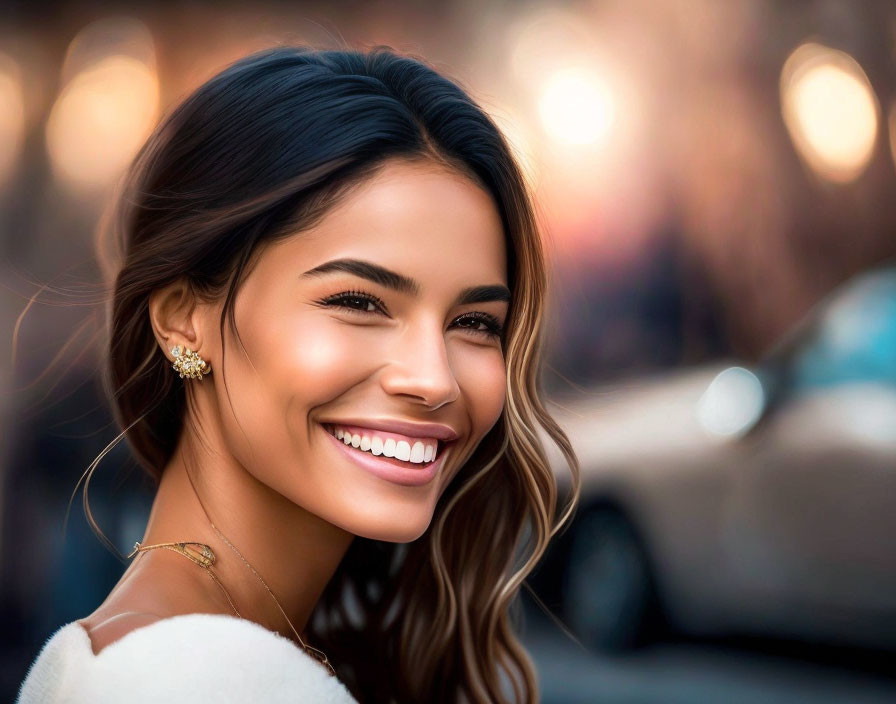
[715,181]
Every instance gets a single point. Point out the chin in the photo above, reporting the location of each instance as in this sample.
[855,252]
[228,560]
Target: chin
[393,524]
[372,517]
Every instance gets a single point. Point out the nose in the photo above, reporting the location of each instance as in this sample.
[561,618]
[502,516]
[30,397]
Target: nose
[420,368]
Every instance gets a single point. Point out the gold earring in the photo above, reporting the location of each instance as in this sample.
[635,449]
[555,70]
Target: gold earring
[188,363]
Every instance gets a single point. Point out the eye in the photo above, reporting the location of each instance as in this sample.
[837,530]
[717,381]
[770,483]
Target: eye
[355,301]
[364,303]
[493,327]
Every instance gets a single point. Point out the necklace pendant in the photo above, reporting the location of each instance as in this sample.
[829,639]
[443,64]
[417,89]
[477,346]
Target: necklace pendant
[205,556]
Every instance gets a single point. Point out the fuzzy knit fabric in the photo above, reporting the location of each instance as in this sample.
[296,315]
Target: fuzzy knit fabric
[190,658]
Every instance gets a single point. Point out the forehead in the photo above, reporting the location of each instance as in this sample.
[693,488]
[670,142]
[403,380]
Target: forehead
[418,218]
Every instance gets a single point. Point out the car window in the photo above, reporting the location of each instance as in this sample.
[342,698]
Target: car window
[855,339]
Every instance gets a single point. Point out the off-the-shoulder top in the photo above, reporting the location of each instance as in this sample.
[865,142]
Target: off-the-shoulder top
[195,658]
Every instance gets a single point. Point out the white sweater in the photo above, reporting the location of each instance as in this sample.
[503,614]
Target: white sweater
[190,658]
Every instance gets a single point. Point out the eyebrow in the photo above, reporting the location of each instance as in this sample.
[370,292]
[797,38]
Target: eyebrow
[404,284]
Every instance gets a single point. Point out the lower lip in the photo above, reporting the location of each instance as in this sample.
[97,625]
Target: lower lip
[406,476]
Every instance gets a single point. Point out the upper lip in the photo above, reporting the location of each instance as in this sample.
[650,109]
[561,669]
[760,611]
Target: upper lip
[403,427]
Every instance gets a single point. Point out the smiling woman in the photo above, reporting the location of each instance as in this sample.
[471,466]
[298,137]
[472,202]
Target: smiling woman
[344,244]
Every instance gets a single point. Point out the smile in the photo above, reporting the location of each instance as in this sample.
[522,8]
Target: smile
[376,442]
[383,453]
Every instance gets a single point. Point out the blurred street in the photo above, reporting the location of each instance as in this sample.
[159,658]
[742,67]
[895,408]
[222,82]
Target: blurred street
[694,672]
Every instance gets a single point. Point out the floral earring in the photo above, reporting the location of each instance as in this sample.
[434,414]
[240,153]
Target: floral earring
[188,363]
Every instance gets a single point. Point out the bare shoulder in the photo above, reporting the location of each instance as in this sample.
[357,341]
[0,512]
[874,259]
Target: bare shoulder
[153,590]
[104,629]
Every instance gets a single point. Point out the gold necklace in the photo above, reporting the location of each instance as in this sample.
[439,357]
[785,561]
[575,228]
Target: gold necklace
[205,558]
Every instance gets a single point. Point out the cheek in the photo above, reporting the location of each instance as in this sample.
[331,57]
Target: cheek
[481,376]
[317,361]
[305,360]
[291,363]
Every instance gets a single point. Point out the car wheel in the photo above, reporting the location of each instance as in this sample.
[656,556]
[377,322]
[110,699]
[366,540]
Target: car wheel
[608,591]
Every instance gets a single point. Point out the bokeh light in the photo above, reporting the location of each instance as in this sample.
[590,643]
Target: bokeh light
[732,403]
[12,116]
[576,107]
[892,125]
[107,109]
[830,110]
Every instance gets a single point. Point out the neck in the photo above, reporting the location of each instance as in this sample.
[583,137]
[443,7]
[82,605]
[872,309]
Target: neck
[294,551]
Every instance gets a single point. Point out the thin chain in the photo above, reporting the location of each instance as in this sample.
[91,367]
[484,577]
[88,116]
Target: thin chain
[205,558]
[314,652]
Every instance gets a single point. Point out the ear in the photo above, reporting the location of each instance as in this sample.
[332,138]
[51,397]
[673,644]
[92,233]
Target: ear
[175,317]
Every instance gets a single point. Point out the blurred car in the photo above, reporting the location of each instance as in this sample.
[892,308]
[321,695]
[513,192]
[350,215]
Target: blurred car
[736,500]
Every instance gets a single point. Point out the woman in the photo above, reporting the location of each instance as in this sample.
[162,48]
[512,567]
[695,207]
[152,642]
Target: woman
[324,344]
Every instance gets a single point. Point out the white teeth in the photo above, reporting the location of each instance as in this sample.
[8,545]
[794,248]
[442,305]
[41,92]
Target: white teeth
[417,452]
[420,452]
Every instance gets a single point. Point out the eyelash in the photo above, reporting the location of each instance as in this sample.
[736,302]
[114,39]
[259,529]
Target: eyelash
[495,329]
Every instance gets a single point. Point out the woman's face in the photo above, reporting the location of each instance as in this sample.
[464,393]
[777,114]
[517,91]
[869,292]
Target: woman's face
[387,336]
